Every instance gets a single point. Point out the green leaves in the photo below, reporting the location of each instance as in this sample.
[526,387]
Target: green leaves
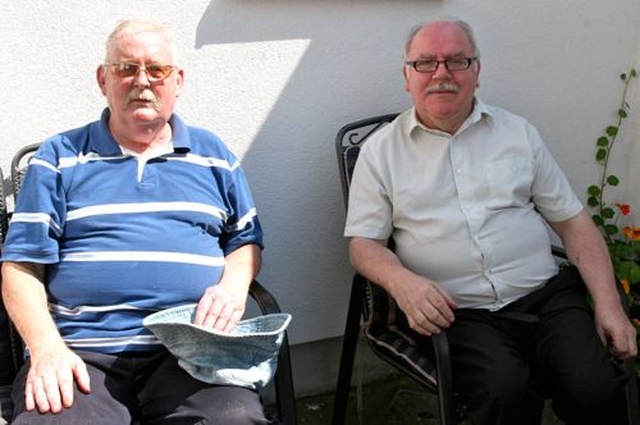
[610,229]
[625,260]
[605,216]
[613,180]
[608,213]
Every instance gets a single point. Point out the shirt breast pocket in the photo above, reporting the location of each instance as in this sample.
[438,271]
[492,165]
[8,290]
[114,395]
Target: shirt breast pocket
[509,182]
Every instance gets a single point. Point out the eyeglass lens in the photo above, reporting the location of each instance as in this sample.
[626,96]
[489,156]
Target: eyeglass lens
[154,72]
[431,65]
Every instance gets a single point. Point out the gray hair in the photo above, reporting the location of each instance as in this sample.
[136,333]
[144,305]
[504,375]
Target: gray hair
[460,23]
[137,26]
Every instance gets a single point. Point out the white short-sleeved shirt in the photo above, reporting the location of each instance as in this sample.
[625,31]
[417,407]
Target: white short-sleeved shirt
[466,210]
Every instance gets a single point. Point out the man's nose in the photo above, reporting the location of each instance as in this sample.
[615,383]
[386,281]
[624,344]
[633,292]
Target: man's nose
[441,71]
[141,78]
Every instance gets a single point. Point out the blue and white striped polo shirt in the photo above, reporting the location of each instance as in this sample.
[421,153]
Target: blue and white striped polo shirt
[121,244]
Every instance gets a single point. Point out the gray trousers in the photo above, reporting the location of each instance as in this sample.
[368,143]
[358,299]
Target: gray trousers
[145,389]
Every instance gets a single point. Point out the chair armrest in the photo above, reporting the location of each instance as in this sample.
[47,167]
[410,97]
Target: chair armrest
[284,377]
[558,251]
[265,300]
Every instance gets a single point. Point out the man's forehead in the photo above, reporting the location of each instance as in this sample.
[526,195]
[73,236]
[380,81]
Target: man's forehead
[140,42]
[441,38]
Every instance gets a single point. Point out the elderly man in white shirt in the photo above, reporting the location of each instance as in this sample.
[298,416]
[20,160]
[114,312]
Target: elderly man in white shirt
[465,189]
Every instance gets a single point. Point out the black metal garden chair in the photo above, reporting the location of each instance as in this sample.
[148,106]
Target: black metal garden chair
[385,325]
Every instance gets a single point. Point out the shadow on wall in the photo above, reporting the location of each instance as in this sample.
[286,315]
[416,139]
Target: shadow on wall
[345,73]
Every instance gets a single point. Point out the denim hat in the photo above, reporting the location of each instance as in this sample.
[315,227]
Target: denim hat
[247,357]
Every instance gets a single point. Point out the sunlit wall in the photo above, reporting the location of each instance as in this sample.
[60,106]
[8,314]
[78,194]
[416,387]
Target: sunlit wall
[277,78]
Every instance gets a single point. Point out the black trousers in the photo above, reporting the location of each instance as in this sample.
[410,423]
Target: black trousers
[151,389]
[506,363]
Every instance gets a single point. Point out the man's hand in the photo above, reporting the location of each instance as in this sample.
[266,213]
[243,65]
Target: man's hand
[50,380]
[220,308]
[616,332]
[427,306]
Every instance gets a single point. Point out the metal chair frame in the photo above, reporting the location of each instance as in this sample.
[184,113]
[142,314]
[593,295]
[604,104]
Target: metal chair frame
[348,142]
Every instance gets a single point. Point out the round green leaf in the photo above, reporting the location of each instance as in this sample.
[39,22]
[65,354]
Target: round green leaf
[611,229]
[613,180]
[597,220]
[593,190]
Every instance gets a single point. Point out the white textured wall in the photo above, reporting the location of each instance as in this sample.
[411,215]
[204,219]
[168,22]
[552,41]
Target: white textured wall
[277,78]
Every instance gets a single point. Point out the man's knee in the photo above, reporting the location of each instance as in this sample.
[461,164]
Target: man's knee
[591,400]
[235,412]
[507,389]
[505,398]
[221,405]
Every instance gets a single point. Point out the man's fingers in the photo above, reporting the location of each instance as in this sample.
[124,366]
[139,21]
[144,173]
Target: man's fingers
[224,319]
[29,398]
[202,309]
[82,377]
[65,384]
[217,309]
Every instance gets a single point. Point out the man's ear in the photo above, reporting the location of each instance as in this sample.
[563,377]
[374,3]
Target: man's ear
[100,76]
[179,82]
[405,75]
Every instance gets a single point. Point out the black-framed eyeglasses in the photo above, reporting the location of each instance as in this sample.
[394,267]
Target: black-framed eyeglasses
[431,65]
[155,72]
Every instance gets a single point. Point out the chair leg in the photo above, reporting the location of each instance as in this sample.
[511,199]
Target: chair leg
[284,386]
[349,345]
[631,391]
[285,395]
[445,379]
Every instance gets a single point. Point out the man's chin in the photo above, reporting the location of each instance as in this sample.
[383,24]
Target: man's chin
[145,114]
[143,107]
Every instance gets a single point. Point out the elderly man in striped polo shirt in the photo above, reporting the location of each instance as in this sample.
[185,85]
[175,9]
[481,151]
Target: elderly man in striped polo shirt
[128,215]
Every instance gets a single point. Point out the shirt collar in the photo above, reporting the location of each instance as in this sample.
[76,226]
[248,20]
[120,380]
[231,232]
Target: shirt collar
[103,142]
[478,113]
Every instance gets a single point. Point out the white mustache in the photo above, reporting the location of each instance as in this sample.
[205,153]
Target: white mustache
[145,95]
[442,87]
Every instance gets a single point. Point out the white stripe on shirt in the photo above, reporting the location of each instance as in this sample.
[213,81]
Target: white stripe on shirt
[112,342]
[37,218]
[205,161]
[145,207]
[153,256]
[77,311]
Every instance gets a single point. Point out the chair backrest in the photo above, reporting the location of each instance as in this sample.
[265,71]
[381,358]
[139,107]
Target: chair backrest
[11,345]
[350,139]
[4,218]
[386,328]
[19,166]
[8,365]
